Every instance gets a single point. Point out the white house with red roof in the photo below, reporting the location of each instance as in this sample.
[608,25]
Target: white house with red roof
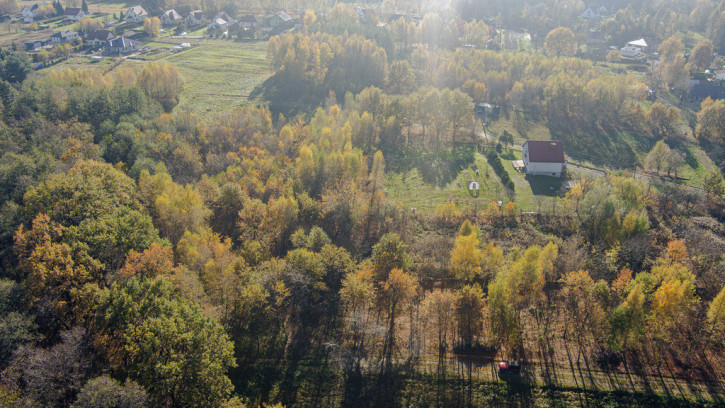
[544,158]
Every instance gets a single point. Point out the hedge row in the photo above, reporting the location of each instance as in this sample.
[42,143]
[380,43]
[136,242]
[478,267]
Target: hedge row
[495,162]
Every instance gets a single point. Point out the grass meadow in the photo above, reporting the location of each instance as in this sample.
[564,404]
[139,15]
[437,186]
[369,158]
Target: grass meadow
[220,74]
[532,193]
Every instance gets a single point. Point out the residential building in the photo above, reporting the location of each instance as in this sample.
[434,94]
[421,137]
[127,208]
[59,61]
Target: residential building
[31,45]
[74,13]
[171,18]
[544,158]
[64,36]
[98,37]
[135,14]
[121,45]
[195,18]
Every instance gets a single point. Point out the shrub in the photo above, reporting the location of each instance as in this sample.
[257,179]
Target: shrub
[497,165]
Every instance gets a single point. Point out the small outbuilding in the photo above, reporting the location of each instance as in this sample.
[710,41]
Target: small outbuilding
[544,158]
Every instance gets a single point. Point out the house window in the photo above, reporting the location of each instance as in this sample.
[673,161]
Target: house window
[553,174]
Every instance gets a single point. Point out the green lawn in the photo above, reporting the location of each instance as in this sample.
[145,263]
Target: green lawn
[532,193]
[220,74]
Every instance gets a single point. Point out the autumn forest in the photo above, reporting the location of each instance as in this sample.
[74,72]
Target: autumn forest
[356,233]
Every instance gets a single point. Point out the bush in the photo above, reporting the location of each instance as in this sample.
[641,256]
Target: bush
[497,165]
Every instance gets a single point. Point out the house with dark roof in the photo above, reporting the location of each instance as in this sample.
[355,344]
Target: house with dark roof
[64,36]
[544,158]
[121,45]
[98,37]
[248,21]
[31,45]
[74,13]
[281,19]
[195,18]
[171,17]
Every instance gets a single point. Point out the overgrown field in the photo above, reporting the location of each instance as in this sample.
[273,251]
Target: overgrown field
[219,74]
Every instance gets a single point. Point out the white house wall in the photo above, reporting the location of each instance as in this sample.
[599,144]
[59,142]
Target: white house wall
[540,168]
[544,169]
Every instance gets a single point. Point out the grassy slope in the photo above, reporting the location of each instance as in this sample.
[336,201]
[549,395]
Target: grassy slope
[410,189]
[220,74]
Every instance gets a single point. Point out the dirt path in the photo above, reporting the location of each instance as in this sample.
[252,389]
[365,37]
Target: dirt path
[590,378]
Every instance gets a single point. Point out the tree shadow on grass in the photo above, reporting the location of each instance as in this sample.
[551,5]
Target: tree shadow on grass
[286,99]
[544,185]
[611,149]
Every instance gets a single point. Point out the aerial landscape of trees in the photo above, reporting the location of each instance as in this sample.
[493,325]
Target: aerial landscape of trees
[264,255]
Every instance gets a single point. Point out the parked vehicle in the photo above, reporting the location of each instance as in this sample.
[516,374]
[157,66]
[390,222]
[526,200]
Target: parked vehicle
[511,367]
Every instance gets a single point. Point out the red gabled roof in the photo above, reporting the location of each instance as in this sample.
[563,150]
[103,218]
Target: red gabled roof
[551,151]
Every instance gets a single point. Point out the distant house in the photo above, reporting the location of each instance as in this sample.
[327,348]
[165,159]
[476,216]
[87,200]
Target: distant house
[282,19]
[720,74]
[98,37]
[195,18]
[364,15]
[171,17]
[27,14]
[74,13]
[248,21]
[631,52]
[641,43]
[224,16]
[135,14]
[589,14]
[122,45]
[513,40]
[544,158]
[31,45]
[218,24]
[30,13]
[64,36]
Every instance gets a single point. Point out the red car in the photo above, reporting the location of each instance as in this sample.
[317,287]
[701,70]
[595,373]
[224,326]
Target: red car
[510,367]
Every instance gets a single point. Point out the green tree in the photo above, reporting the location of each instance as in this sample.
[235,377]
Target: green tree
[438,311]
[657,157]
[105,392]
[152,26]
[716,314]
[147,333]
[714,185]
[388,254]
[470,312]
[466,257]
[162,83]
[711,120]
[614,56]
[460,110]
[15,67]
[560,41]
[55,273]
[701,56]
[627,321]
[174,208]
[395,296]
[401,78]
[88,190]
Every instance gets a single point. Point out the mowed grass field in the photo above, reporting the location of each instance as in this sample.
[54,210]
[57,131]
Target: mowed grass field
[220,74]
[532,193]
